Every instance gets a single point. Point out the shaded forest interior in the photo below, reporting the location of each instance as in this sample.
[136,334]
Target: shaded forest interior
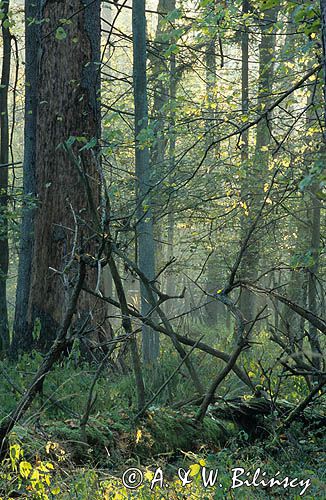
[162,248]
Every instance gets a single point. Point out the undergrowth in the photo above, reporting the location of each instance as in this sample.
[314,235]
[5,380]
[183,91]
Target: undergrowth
[52,456]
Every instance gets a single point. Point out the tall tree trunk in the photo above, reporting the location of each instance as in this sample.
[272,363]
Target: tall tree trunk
[246,298]
[170,279]
[145,239]
[210,56]
[253,189]
[159,161]
[4,157]
[314,222]
[213,308]
[313,281]
[245,80]
[66,95]
[22,337]
[323,37]
[160,68]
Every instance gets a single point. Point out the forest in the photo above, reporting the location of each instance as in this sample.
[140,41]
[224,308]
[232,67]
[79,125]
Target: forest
[162,249]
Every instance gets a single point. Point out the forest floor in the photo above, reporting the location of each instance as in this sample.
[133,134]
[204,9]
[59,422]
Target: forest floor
[53,456]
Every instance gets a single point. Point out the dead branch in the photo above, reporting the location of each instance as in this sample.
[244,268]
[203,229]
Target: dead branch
[141,413]
[316,321]
[183,340]
[301,406]
[58,347]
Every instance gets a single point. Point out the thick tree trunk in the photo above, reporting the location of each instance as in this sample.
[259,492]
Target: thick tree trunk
[4,156]
[67,105]
[145,239]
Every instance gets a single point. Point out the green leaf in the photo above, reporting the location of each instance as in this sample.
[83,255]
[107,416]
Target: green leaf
[173,15]
[60,33]
[70,141]
[91,144]
[306,182]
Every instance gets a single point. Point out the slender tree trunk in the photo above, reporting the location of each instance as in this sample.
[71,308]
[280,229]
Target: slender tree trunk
[323,37]
[161,94]
[127,325]
[314,222]
[159,161]
[245,80]
[145,239]
[108,287]
[246,298]
[4,157]
[65,92]
[22,338]
[213,308]
[313,282]
[170,281]
[253,190]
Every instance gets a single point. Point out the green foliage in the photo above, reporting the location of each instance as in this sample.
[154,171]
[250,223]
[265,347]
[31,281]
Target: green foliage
[43,477]
[60,33]
[306,260]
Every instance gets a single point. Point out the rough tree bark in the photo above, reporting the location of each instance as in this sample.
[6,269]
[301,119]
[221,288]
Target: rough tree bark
[4,156]
[145,239]
[65,101]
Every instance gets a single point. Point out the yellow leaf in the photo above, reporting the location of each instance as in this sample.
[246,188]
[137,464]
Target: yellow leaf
[55,491]
[194,469]
[138,436]
[25,469]
[202,462]
[149,475]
